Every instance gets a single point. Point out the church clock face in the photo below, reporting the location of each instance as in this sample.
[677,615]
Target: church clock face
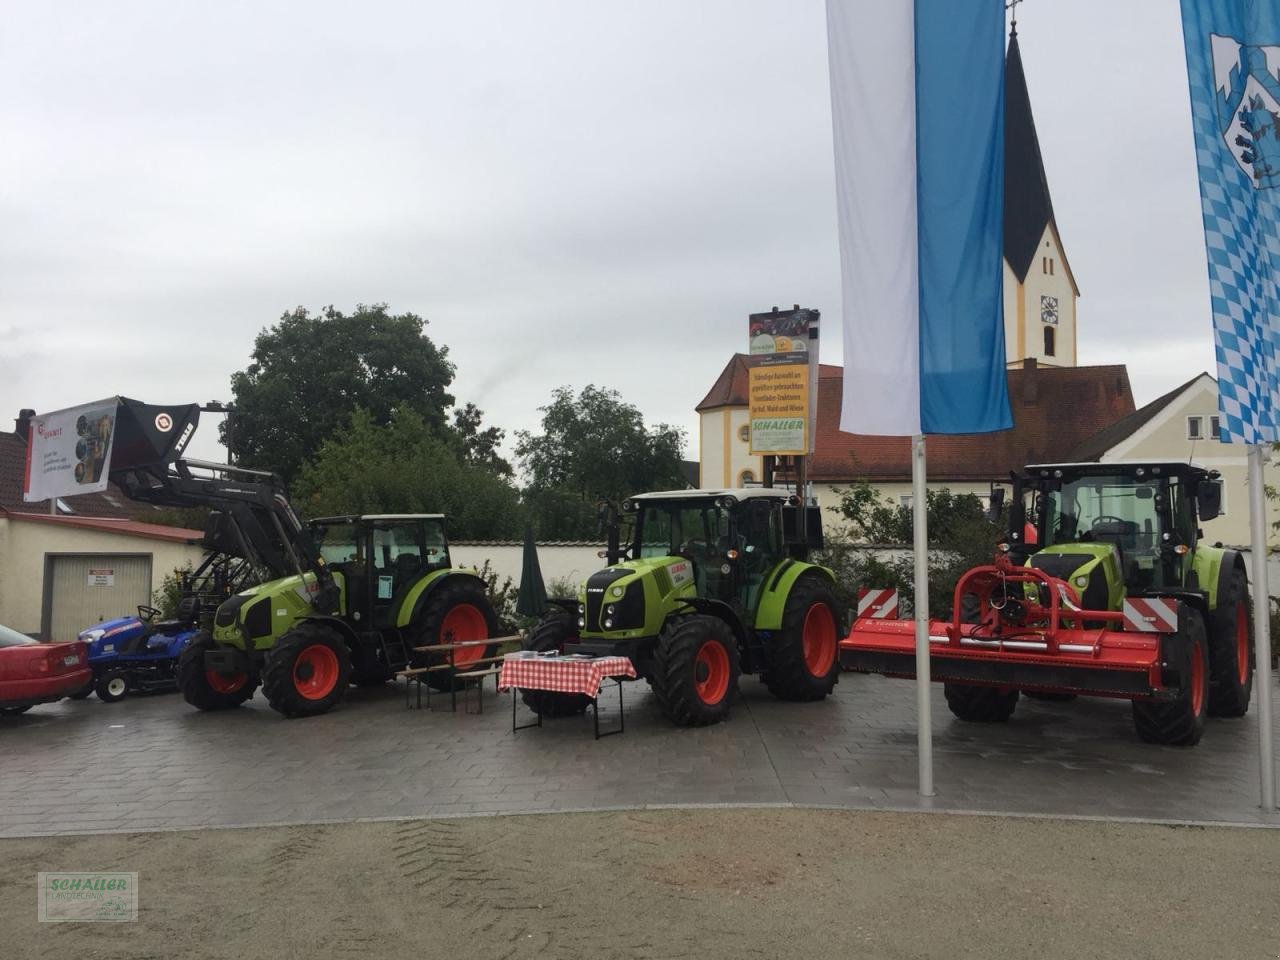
[1049,309]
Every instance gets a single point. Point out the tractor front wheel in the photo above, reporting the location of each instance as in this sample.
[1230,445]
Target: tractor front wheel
[208,689]
[974,704]
[1231,651]
[1179,722]
[804,665]
[112,686]
[457,611]
[551,633]
[696,675]
[307,671]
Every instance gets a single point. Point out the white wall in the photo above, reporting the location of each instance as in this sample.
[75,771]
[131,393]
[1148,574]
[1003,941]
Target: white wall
[574,563]
[722,463]
[24,544]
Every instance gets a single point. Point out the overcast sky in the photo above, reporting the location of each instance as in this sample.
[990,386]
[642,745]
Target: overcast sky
[570,191]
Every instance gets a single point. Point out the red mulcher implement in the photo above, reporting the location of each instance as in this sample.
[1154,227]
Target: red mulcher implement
[1114,597]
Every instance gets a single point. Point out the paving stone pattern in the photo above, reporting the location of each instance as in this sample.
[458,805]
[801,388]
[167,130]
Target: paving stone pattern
[155,763]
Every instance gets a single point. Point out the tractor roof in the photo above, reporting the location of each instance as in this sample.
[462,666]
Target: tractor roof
[379,516]
[738,493]
[1110,468]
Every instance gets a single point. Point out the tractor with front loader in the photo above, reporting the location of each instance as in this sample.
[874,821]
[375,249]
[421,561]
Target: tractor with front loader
[343,600]
[1103,586]
[708,585]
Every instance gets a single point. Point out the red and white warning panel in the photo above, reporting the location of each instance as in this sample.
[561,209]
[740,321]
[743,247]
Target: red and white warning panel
[1151,614]
[877,604]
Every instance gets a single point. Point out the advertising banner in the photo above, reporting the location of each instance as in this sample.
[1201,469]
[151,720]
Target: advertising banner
[779,381]
[69,451]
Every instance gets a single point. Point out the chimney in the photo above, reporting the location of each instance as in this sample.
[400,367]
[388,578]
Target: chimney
[22,425]
[1030,382]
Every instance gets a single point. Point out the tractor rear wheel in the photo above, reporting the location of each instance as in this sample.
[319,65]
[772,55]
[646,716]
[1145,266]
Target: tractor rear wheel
[804,665]
[696,674]
[208,689]
[1180,722]
[551,633]
[974,704]
[456,611]
[1231,651]
[307,671]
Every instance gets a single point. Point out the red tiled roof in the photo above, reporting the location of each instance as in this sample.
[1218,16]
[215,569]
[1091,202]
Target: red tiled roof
[133,528]
[1055,409]
[110,503]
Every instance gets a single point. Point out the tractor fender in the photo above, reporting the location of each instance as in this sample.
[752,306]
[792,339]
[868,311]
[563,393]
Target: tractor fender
[1232,560]
[721,611]
[777,589]
[342,628]
[413,602]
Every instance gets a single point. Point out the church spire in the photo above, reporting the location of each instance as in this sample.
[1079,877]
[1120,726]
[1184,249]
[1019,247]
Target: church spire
[1027,207]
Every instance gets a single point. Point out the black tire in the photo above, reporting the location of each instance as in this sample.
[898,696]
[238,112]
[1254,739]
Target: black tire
[111,686]
[82,693]
[307,672]
[431,627]
[1048,697]
[15,711]
[696,672]
[804,656]
[551,633]
[974,704]
[1180,722]
[203,689]
[1230,639]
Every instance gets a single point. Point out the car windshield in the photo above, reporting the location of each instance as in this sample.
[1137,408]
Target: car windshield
[12,638]
[682,528]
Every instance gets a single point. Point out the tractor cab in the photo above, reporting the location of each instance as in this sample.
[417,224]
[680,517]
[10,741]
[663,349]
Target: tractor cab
[378,558]
[1112,529]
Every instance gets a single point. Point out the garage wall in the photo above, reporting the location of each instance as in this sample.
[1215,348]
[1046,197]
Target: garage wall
[24,546]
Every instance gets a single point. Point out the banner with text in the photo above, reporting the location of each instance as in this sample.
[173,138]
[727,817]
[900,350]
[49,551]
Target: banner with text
[778,381]
[69,451]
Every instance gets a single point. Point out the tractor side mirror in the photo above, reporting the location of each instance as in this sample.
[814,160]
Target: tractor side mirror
[1209,499]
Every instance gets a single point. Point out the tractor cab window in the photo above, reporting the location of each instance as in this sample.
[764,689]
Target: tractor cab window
[760,547]
[1121,510]
[682,529]
[338,543]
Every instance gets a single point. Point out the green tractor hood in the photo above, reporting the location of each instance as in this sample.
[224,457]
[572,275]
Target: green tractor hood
[255,618]
[1093,569]
[633,598]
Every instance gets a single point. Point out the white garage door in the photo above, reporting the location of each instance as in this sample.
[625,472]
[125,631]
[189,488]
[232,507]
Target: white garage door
[88,588]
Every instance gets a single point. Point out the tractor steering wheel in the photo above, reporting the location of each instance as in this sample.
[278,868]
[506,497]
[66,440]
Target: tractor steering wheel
[1107,519]
[147,613]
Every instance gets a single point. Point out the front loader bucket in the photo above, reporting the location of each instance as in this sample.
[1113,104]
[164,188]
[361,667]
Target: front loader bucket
[150,437]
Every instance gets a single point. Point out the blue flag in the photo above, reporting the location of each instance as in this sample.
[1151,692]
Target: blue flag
[1233,66]
[917,103]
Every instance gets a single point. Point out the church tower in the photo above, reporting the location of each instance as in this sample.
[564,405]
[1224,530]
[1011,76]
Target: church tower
[1040,293]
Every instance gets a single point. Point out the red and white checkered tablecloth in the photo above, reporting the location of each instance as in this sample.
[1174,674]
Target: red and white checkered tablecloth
[561,674]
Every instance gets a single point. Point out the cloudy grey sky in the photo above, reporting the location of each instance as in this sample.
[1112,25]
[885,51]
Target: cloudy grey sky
[570,191]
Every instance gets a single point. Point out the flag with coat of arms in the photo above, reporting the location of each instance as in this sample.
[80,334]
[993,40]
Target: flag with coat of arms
[1233,67]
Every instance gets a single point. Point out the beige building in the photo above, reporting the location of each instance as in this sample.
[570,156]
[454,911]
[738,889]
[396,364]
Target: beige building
[1183,425]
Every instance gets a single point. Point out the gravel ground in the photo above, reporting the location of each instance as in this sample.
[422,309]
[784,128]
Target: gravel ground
[668,884]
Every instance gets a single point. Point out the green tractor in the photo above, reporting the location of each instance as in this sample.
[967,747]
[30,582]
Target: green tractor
[710,584]
[379,587]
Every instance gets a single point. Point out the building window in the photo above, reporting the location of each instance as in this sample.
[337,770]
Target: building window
[905,500]
[1048,341]
[746,478]
[1195,428]
[1046,264]
[1049,309]
[1215,428]
[744,432]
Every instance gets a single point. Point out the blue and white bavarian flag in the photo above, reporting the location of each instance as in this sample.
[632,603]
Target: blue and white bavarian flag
[1233,64]
[917,103]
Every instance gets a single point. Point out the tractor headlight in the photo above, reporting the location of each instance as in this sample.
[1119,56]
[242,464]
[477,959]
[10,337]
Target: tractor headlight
[608,623]
[90,636]
[611,609]
[1082,581]
[582,621]
[616,591]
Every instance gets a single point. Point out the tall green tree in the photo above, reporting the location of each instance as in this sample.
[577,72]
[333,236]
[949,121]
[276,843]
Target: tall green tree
[309,372]
[592,446]
[405,467]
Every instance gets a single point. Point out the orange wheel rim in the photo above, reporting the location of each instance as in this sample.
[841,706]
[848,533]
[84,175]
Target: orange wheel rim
[228,684]
[315,672]
[711,672]
[819,640]
[1197,678]
[1242,642]
[462,624]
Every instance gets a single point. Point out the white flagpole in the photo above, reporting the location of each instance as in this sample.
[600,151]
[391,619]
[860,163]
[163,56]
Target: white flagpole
[1261,626]
[920,536]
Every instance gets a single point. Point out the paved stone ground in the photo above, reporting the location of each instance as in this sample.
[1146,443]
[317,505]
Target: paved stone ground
[155,763]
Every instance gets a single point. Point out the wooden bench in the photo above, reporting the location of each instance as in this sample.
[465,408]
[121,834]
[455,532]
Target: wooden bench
[469,672]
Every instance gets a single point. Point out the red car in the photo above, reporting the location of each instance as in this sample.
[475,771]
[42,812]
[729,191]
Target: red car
[32,672]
